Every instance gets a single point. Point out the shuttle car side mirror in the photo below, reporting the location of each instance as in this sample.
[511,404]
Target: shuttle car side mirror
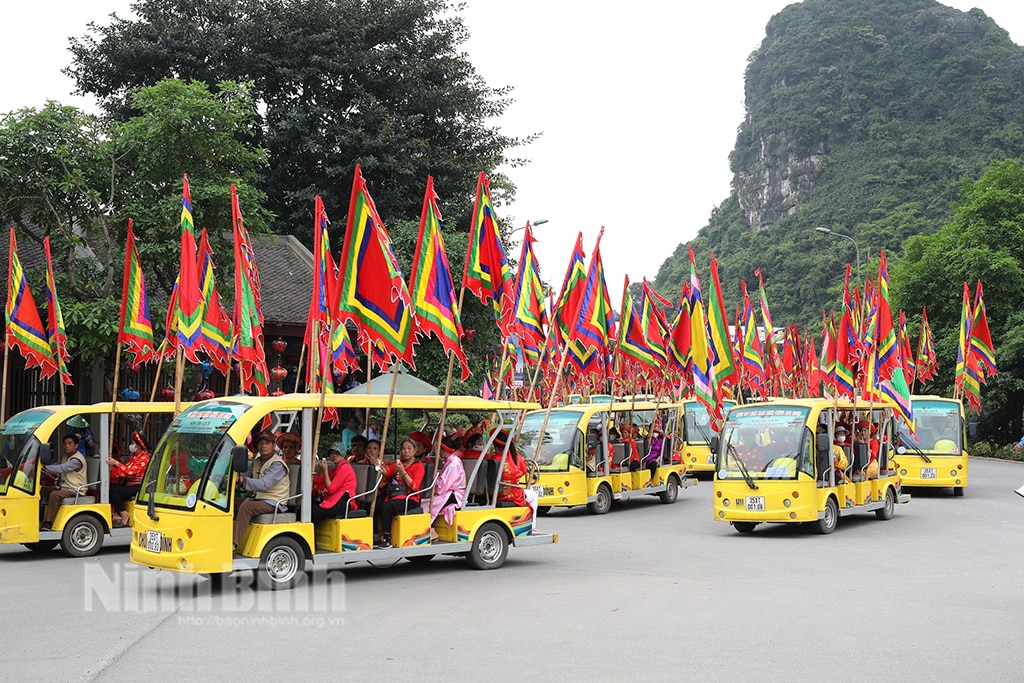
[240,459]
[45,454]
[714,444]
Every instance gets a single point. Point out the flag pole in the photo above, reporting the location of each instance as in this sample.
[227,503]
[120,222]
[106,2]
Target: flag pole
[3,393]
[323,396]
[554,390]
[384,429]
[179,373]
[298,369]
[113,398]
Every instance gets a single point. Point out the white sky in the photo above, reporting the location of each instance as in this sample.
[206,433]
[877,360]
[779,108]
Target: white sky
[638,103]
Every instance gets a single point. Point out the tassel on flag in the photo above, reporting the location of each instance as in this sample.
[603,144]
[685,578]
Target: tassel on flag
[135,331]
[55,320]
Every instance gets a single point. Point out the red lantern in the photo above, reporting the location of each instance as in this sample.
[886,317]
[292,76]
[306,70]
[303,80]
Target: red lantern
[205,394]
[167,393]
[279,345]
[277,373]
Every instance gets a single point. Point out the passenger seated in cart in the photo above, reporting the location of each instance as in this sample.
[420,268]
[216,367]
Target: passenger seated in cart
[357,450]
[401,479]
[340,482]
[423,444]
[125,478]
[654,457]
[450,489]
[513,470]
[290,443]
[863,435]
[839,459]
[747,448]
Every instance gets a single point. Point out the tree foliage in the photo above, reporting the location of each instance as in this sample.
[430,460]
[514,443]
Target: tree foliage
[379,82]
[78,179]
[984,240]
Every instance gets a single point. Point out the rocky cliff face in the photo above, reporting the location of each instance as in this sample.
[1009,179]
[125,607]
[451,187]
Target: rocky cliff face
[772,186]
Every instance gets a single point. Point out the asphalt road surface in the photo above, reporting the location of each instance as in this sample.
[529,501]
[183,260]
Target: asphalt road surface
[648,592]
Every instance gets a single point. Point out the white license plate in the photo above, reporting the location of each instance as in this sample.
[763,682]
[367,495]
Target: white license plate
[154,541]
[755,503]
[539,490]
[927,472]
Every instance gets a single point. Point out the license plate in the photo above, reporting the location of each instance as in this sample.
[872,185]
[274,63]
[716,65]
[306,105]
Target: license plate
[154,541]
[927,472]
[539,490]
[755,503]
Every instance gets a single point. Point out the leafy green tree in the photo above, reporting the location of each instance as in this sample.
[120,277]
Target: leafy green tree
[77,179]
[379,82]
[983,240]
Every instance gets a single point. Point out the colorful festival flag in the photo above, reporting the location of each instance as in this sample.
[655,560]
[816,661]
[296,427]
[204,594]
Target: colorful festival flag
[981,339]
[486,272]
[216,336]
[529,315]
[55,320]
[189,310]
[135,331]
[430,283]
[373,293]
[632,350]
[568,302]
[927,363]
[248,349]
[594,321]
[702,363]
[25,330]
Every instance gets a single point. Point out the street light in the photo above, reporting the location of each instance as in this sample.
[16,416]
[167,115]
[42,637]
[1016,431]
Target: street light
[826,231]
[533,224]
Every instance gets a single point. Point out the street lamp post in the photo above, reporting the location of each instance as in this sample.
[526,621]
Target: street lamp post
[532,224]
[827,231]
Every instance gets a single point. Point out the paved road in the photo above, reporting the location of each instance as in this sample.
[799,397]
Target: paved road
[648,591]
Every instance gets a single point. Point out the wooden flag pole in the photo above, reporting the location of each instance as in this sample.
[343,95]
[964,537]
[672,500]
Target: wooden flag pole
[179,373]
[554,390]
[323,399]
[298,369]
[113,398]
[384,429]
[3,392]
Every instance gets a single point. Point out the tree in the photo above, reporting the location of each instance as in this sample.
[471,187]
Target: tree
[983,240]
[379,82]
[77,179]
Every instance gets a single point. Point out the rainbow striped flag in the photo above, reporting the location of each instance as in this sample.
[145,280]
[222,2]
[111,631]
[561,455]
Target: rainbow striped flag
[189,309]
[55,320]
[633,348]
[568,302]
[430,284]
[486,272]
[701,365]
[135,331]
[529,312]
[215,331]
[594,322]
[24,326]
[248,318]
[373,293]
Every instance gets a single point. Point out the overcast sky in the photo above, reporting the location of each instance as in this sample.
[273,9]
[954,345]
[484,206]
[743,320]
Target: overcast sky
[638,104]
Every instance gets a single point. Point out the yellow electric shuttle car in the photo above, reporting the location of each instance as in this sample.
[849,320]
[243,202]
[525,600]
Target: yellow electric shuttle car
[32,439]
[695,440]
[595,453]
[184,523]
[779,462]
[935,455]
